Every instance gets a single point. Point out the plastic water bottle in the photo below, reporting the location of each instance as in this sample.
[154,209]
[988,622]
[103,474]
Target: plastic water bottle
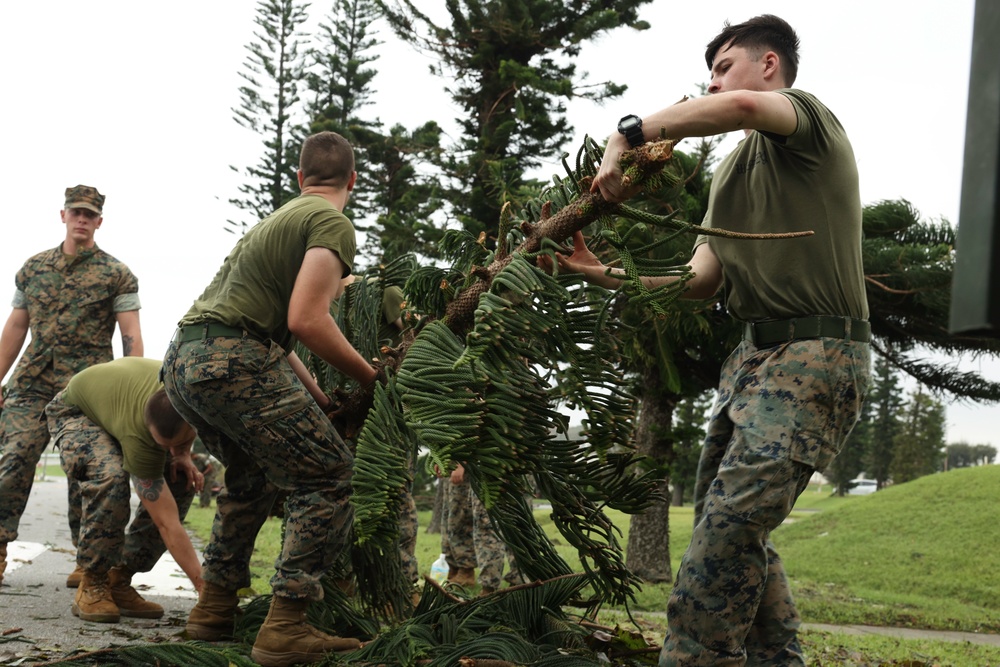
[439,569]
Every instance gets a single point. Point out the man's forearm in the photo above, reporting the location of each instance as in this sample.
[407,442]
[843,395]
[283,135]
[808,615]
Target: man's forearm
[178,543]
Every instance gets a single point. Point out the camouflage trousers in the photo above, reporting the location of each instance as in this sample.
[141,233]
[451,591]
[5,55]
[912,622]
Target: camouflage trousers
[258,419]
[93,462]
[469,538]
[23,437]
[781,413]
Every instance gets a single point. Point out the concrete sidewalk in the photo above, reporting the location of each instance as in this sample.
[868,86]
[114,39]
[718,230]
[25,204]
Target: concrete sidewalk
[905,633]
[36,624]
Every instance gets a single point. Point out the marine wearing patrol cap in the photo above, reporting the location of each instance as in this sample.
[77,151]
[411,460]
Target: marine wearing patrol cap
[84,196]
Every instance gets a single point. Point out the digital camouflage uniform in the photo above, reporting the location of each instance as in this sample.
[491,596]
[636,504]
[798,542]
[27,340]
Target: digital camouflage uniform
[72,304]
[469,538]
[93,458]
[786,404]
[255,416]
[203,462]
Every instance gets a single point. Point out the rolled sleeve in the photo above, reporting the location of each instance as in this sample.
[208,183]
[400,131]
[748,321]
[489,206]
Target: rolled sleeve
[127,302]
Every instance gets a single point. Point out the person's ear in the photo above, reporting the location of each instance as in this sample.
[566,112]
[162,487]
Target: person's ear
[772,64]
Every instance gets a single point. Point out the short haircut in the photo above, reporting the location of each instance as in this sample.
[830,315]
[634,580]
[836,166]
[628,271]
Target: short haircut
[761,33]
[160,412]
[326,159]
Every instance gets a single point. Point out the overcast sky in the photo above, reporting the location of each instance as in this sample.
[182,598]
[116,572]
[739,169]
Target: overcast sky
[135,98]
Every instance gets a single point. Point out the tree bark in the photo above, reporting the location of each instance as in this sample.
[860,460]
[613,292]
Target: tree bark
[648,551]
[434,527]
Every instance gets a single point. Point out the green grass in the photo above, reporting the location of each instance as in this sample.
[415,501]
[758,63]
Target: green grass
[50,470]
[920,555]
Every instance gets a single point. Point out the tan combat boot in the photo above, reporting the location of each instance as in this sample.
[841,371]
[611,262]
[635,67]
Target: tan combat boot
[464,576]
[74,577]
[213,617]
[286,639]
[3,560]
[93,601]
[128,600]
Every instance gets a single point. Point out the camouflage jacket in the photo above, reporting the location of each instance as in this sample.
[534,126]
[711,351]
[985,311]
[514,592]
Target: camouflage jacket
[71,303]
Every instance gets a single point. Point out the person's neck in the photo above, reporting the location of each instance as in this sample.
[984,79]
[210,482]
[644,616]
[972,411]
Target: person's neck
[336,196]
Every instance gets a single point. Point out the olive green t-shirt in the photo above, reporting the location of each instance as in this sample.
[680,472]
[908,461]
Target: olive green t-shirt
[392,309]
[806,181]
[113,395]
[252,289]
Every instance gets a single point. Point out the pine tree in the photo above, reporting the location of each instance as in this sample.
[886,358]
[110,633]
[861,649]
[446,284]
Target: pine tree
[269,100]
[918,448]
[509,64]
[850,462]
[886,402]
[394,200]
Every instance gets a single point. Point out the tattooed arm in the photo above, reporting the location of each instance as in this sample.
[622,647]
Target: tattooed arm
[159,502]
[128,326]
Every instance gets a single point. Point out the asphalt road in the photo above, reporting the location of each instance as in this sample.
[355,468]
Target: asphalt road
[36,624]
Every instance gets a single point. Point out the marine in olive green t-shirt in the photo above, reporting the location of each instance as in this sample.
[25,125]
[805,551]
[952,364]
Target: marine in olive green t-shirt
[113,395]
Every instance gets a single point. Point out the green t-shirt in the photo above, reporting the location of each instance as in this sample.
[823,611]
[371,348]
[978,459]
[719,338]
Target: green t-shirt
[392,309]
[113,395]
[252,289]
[806,181]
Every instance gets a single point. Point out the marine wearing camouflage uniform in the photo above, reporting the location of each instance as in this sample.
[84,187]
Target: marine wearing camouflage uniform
[789,395]
[101,464]
[253,414]
[470,539]
[72,302]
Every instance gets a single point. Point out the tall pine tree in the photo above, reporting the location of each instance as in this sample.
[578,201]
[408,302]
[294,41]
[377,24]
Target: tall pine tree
[886,401]
[919,446]
[395,198]
[269,100]
[510,67]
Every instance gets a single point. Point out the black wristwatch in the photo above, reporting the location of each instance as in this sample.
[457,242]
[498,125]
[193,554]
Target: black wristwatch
[631,127]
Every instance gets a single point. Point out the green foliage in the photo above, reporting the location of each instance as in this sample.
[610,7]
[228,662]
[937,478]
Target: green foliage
[885,400]
[510,67]
[850,462]
[918,448]
[269,97]
[909,265]
[524,626]
[688,433]
[963,455]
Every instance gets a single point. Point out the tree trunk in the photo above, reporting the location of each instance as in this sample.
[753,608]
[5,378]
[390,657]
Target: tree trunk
[648,552]
[434,527]
[678,496]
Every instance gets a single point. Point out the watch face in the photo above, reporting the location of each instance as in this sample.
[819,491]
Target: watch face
[628,123]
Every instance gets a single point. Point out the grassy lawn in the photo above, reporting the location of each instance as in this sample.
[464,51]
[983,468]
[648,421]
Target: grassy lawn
[915,555]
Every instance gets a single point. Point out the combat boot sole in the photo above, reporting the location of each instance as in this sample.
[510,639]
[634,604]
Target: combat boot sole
[208,633]
[107,617]
[266,658]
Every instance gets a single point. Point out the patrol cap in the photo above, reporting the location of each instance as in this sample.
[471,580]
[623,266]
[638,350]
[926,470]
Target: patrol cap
[84,196]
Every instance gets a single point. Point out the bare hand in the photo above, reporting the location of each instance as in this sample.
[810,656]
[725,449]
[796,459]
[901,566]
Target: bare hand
[608,180]
[185,466]
[581,261]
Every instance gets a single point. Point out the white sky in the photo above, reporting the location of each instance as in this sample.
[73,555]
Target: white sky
[135,98]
